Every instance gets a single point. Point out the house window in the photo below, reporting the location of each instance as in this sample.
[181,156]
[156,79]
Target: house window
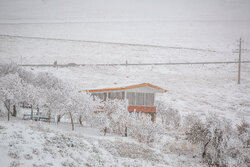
[116,95]
[148,99]
[131,98]
[140,99]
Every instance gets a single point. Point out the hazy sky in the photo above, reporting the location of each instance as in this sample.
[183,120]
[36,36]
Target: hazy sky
[126,9]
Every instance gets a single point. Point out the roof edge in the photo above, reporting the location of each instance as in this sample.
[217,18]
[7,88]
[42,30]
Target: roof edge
[126,88]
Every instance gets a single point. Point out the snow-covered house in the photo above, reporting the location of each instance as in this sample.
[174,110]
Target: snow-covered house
[141,97]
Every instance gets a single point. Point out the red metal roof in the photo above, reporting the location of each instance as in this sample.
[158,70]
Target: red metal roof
[126,88]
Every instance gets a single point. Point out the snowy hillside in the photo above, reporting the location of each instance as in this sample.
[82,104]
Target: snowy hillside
[27,143]
[21,50]
[200,89]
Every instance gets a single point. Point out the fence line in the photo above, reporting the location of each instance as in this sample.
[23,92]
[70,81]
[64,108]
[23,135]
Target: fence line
[131,64]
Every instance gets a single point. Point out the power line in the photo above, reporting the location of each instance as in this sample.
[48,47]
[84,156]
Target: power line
[111,43]
[134,64]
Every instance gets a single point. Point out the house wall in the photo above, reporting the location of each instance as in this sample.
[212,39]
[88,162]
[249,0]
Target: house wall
[134,98]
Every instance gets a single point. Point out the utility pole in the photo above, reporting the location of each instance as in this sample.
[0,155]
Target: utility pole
[9,110]
[21,60]
[239,64]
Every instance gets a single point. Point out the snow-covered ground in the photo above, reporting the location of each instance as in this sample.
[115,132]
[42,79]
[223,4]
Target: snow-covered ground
[46,51]
[95,31]
[30,143]
[200,89]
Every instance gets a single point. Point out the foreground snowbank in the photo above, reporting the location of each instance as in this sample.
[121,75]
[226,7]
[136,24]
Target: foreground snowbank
[30,143]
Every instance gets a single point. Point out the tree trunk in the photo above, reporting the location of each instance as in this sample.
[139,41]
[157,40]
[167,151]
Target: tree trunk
[80,120]
[38,113]
[58,118]
[7,106]
[9,110]
[105,131]
[49,115]
[72,121]
[205,150]
[126,131]
[31,114]
[14,111]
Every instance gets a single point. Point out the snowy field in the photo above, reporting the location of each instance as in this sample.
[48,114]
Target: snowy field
[21,50]
[202,89]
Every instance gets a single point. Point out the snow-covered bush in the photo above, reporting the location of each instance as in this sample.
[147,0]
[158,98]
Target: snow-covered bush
[244,133]
[219,142]
[112,116]
[46,80]
[143,129]
[199,134]
[170,117]
[27,76]
[190,119]
[6,69]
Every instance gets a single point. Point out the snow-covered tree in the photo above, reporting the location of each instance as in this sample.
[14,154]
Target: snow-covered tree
[18,85]
[77,103]
[55,100]
[34,96]
[169,116]
[46,80]
[116,115]
[219,142]
[87,108]
[11,89]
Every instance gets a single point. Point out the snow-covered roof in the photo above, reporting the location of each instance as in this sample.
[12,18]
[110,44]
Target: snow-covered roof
[128,87]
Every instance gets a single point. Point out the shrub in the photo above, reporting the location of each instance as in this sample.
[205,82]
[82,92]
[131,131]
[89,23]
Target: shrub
[116,115]
[170,117]
[219,142]
[190,120]
[244,133]
[143,129]
[115,118]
